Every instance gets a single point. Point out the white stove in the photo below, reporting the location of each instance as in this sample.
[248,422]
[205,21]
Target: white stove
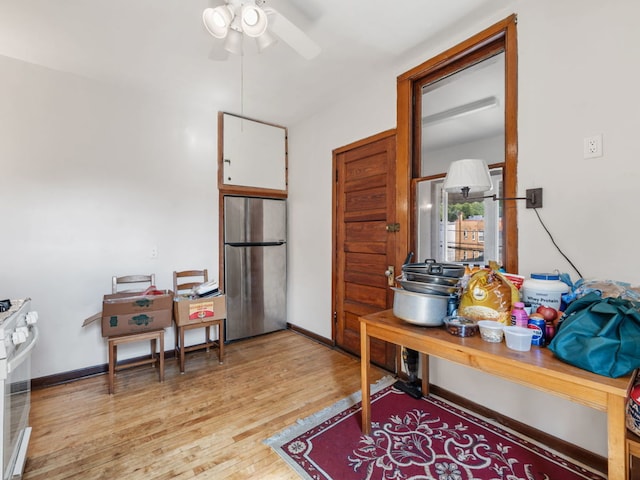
[18,337]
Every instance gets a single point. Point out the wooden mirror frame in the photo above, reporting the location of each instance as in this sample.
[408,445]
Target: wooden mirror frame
[235,189]
[502,35]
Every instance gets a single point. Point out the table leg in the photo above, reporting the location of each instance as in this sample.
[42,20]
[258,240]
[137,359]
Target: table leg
[424,373]
[365,353]
[618,458]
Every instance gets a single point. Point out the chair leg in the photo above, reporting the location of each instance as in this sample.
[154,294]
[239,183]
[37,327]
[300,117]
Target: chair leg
[153,352]
[181,349]
[112,366]
[161,353]
[221,342]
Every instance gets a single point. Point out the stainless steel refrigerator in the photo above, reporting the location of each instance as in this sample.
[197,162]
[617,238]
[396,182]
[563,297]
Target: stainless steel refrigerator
[255,265]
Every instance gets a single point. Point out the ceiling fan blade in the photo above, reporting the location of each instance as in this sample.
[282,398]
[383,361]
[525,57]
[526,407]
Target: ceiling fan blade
[286,31]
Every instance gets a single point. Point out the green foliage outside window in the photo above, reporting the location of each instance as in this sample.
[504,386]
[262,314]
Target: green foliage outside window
[468,209]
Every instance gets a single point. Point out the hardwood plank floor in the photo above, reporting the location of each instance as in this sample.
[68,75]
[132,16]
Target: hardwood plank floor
[208,423]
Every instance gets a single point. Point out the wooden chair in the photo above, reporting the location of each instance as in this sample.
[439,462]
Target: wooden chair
[155,337]
[132,279]
[183,282]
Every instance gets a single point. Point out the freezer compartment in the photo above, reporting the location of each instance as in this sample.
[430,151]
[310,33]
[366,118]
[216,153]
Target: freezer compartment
[249,220]
[255,285]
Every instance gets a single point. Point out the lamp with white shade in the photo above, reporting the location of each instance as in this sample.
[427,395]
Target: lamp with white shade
[468,176]
[472,176]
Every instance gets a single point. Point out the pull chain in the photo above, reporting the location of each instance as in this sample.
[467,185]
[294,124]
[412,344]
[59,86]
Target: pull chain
[242,84]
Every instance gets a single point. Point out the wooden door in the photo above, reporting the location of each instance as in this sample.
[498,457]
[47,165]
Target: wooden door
[364,240]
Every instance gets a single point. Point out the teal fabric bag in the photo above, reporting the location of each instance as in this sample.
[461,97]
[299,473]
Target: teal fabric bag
[601,335]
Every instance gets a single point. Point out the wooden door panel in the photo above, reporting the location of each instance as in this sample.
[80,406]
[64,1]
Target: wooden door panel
[365,247]
[368,200]
[365,294]
[365,164]
[374,232]
[364,262]
[365,278]
[364,200]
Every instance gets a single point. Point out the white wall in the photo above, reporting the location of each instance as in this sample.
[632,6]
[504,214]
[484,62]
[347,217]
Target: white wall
[577,77]
[91,179]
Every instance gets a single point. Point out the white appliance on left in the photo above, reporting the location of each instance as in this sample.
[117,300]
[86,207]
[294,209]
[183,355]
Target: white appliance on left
[18,337]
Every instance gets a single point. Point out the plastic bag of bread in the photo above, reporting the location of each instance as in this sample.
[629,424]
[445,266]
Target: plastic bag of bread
[489,295]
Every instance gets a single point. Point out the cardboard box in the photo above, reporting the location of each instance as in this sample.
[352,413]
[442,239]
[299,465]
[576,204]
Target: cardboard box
[132,312]
[189,312]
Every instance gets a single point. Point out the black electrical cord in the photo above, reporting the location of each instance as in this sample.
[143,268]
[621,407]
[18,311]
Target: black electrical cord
[555,244]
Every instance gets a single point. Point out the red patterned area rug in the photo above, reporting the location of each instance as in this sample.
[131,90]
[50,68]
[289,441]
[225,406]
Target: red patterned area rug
[416,439]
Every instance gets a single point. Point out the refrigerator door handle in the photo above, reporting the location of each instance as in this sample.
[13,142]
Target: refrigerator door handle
[255,244]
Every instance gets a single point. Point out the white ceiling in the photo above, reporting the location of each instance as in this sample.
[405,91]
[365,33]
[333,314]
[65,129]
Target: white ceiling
[161,46]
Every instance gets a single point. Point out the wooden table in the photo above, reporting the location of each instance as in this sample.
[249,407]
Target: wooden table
[537,368]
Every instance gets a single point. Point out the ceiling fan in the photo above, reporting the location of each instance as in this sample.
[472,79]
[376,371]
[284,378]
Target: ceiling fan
[236,19]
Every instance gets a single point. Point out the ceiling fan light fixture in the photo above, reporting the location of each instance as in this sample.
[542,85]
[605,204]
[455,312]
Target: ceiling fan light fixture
[218,20]
[265,40]
[233,43]
[253,20]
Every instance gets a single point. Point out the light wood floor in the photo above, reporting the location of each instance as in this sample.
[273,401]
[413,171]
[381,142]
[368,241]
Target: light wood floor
[209,422]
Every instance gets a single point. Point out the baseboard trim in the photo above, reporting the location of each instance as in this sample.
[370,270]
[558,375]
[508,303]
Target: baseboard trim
[82,373]
[313,336]
[579,454]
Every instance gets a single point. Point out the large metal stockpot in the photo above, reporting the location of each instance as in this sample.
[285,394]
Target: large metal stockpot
[431,267]
[419,308]
[424,287]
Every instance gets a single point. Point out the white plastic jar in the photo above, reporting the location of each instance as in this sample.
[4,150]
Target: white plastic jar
[543,289]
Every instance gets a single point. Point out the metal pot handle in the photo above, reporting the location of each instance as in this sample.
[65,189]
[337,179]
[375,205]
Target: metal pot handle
[408,259]
[432,266]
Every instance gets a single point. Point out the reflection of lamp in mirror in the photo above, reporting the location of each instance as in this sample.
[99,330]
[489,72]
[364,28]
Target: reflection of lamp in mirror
[472,176]
[468,176]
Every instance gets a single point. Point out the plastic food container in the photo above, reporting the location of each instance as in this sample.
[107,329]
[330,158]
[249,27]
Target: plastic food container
[518,338]
[419,308]
[460,326]
[491,331]
[543,289]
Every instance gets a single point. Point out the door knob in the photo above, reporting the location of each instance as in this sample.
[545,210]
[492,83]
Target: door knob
[390,273]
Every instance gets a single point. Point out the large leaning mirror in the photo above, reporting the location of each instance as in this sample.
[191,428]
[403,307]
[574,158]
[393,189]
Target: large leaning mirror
[463,105]
[462,116]
[252,154]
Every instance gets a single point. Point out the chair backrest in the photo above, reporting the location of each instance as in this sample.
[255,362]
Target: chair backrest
[187,279]
[133,279]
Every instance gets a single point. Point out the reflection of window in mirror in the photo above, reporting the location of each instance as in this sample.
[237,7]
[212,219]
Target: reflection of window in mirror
[470,230]
[464,106]
[462,117]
